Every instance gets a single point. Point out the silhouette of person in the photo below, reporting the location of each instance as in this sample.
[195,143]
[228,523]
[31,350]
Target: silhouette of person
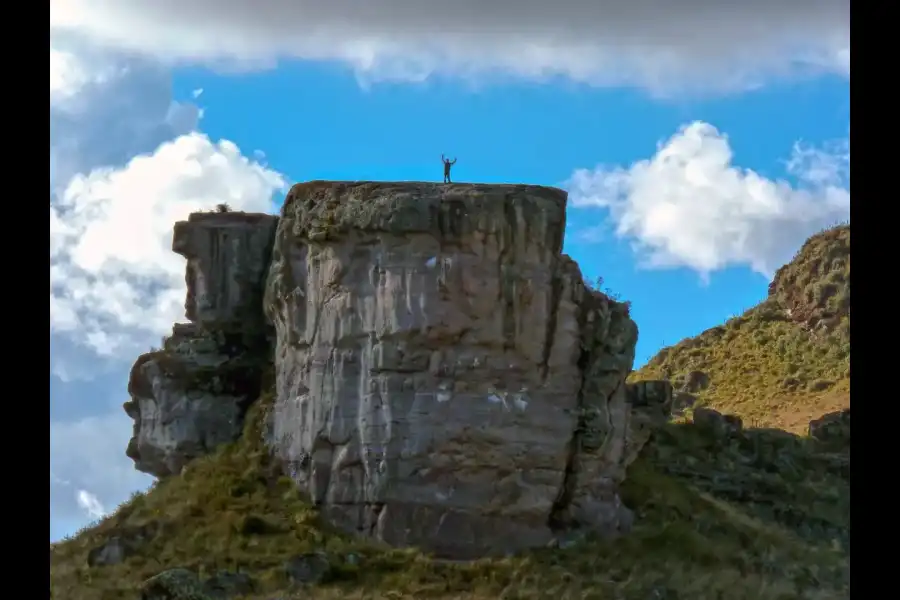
[447,165]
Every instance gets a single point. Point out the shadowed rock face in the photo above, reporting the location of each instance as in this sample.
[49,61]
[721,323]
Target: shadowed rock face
[444,377]
[832,428]
[190,396]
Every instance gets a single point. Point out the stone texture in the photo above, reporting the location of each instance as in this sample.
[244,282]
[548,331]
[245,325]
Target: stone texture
[833,427]
[227,260]
[112,552]
[682,401]
[225,585]
[651,404]
[717,423]
[190,396]
[444,377]
[813,289]
[692,382]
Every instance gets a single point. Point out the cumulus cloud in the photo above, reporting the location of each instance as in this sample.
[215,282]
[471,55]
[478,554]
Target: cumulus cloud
[90,504]
[689,206]
[654,43]
[105,109]
[125,164]
[114,281]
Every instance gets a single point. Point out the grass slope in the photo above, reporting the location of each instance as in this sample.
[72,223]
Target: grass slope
[756,518]
[787,360]
[762,515]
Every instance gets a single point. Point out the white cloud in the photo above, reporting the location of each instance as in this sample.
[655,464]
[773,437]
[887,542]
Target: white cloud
[90,504]
[828,166]
[115,284]
[690,206]
[75,68]
[655,43]
[118,182]
[66,75]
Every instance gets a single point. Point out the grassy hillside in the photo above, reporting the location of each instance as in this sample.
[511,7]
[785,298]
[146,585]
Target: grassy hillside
[722,519]
[785,361]
[759,515]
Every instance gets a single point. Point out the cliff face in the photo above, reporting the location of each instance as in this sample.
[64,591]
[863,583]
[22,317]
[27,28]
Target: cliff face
[191,395]
[443,376]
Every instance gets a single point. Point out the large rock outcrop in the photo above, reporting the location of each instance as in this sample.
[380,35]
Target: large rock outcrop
[444,377]
[191,395]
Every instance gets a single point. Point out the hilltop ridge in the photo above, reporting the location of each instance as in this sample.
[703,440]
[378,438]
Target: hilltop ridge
[783,362]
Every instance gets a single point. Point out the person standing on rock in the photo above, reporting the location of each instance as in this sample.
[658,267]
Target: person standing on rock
[447,165]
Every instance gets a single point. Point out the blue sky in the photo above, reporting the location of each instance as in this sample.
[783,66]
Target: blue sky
[694,167]
[533,133]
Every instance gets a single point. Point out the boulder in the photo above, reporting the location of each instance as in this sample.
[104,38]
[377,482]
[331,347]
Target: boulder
[718,424]
[832,427]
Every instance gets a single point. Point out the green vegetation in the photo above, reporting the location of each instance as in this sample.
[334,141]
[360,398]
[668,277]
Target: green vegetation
[815,285]
[761,516]
[764,368]
[786,361]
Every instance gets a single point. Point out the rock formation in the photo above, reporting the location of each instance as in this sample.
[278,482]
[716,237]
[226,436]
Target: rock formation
[832,428]
[191,395]
[814,288]
[444,378]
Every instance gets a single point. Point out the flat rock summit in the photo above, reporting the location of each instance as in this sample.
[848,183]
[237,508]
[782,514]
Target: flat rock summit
[443,376]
